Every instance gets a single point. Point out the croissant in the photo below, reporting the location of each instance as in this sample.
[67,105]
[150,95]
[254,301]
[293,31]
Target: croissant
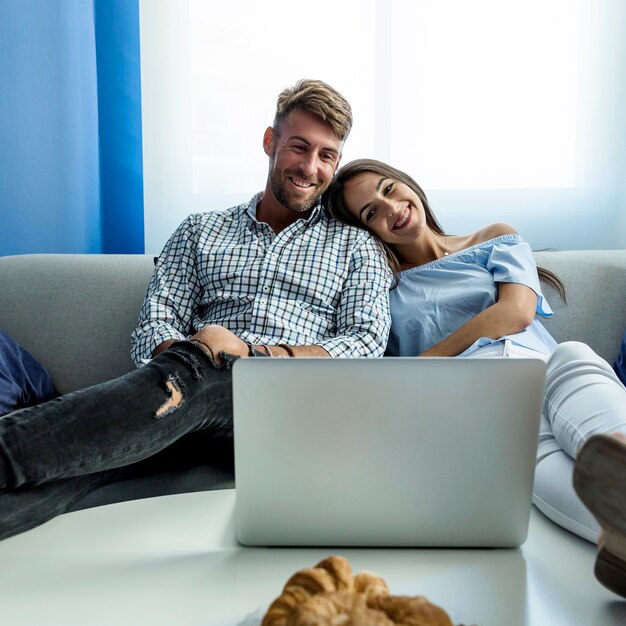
[329,595]
[410,610]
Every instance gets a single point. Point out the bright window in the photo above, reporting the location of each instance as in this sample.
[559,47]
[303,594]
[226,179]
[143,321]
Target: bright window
[503,111]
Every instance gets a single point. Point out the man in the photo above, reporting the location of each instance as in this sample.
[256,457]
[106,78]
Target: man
[274,277]
[304,147]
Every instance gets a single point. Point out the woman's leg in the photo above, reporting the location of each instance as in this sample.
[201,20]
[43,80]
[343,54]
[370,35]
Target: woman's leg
[116,423]
[554,495]
[583,397]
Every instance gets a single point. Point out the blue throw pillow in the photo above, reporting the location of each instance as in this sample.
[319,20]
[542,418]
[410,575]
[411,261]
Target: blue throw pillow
[23,380]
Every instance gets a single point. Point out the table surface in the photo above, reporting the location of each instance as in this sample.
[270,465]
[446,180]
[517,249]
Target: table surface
[175,561]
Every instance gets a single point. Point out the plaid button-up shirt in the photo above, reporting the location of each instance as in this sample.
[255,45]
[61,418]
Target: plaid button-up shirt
[317,282]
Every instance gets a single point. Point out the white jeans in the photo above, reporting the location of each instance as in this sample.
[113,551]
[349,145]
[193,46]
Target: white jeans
[583,397]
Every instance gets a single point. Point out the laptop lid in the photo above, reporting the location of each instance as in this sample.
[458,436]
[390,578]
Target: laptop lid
[385,452]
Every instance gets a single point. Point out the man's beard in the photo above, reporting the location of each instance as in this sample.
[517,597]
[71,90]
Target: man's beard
[298,205]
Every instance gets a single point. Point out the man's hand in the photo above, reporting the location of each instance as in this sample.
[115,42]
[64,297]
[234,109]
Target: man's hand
[220,339]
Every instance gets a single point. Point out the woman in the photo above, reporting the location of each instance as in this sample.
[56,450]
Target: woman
[477,295]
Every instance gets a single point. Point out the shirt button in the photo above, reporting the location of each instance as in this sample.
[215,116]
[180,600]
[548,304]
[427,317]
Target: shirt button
[266,289]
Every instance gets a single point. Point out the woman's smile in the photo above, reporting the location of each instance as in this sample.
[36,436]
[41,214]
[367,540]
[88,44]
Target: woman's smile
[403,220]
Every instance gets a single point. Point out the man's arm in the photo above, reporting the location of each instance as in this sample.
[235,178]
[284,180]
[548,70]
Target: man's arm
[362,316]
[219,339]
[362,319]
[173,294]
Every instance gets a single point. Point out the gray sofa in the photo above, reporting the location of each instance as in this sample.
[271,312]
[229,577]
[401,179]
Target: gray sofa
[75,314]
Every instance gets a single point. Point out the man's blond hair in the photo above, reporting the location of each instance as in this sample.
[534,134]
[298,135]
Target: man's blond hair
[318,98]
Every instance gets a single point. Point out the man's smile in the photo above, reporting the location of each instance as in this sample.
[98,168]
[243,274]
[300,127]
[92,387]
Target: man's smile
[302,183]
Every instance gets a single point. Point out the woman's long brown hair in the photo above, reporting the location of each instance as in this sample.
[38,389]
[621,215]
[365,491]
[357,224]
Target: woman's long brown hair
[334,202]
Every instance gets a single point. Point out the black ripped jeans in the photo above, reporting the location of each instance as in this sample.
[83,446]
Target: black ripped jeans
[54,454]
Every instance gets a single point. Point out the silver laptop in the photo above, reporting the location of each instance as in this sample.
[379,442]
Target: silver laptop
[385,452]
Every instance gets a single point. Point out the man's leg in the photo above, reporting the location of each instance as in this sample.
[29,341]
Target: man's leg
[26,508]
[117,423]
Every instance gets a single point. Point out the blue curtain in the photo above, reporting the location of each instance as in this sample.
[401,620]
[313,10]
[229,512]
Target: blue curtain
[70,127]
[119,125]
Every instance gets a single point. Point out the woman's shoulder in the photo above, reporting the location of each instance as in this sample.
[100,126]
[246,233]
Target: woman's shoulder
[493,231]
[487,234]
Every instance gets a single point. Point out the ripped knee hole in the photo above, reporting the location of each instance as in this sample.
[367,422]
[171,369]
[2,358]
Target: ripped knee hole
[174,400]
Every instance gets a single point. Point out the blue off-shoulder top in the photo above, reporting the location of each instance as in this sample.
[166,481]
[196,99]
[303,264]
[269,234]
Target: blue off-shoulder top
[432,300]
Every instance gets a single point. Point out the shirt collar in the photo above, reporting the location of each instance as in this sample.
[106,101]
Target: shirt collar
[252,205]
[250,208]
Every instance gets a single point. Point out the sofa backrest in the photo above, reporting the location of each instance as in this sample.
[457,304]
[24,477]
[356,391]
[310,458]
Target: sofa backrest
[75,313]
[595,311]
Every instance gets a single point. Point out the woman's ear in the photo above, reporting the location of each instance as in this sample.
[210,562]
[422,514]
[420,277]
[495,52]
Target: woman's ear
[268,142]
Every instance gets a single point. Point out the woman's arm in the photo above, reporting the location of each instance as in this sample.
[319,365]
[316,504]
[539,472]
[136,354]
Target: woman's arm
[513,312]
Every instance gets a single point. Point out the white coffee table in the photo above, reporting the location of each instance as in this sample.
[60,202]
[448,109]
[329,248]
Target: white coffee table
[175,561]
